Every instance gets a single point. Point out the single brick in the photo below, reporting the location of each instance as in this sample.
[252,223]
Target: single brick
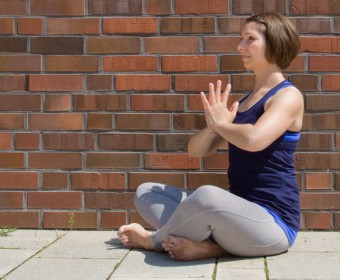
[206,63]
[197,83]
[12,160]
[310,7]
[113,160]
[313,25]
[143,122]
[27,141]
[73,26]
[54,200]
[13,44]
[12,121]
[230,25]
[70,220]
[180,45]
[173,142]
[143,82]
[312,161]
[20,63]
[113,220]
[20,102]
[56,121]
[169,178]
[60,160]
[194,25]
[61,63]
[318,44]
[243,82]
[115,7]
[326,63]
[323,102]
[57,8]
[13,7]
[156,102]
[318,220]
[30,26]
[231,63]
[59,82]
[189,122]
[16,219]
[6,26]
[195,180]
[158,7]
[330,82]
[136,25]
[116,45]
[99,82]
[177,161]
[98,181]
[109,200]
[220,44]
[57,102]
[12,82]
[316,142]
[57,45]
[12,200]
[130,63]
[318,181]
[68,141]
[248,7]
[54,180]
[216,161]
[99,102]
[99,121]
[5,140]
[126,141]
[185,7]
[305,82]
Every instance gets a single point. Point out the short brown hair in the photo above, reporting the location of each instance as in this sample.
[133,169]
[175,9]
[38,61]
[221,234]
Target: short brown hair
[282,38]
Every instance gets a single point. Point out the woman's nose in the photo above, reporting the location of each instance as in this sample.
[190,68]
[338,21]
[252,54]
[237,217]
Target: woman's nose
[240,46]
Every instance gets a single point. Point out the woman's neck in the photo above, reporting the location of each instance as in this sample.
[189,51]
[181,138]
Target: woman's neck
[268,77]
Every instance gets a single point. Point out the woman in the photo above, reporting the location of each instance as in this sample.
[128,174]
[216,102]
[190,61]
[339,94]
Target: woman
[260,214]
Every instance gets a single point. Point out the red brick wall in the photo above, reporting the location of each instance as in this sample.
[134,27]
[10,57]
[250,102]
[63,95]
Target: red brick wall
[98,96]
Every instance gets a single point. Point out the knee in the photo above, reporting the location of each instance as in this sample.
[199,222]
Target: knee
[208,196]
[141,190]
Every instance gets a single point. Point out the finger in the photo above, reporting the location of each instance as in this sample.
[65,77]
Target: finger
[234,108]
[212,99]
[226,94]
[218,91]
[205,101]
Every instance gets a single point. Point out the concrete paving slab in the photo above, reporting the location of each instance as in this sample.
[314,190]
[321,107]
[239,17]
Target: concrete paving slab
[317,242]
[12,258]
[68,269]
[239,273]
[86,244]
[301,266]
[30,239]
[147,265]
[236,262]
[240,268]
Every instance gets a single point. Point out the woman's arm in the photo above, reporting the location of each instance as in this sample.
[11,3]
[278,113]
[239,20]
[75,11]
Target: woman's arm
[204,142]
[282,112]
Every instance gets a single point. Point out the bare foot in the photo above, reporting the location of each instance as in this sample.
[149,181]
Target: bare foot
[135,236]
[183,249]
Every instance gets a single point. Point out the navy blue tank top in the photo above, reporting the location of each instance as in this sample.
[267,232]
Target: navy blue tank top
[267,177]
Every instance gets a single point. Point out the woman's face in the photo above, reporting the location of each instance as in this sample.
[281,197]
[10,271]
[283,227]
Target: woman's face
[252,46]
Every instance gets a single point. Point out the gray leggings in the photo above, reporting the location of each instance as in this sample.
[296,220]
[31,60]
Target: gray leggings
[240,227]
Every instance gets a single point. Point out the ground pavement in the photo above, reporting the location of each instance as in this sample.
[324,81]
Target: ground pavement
[98,255]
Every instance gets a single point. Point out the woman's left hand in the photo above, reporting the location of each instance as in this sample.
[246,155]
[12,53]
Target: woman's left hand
[216,108]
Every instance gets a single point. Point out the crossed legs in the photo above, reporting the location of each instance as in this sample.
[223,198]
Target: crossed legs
[205,223]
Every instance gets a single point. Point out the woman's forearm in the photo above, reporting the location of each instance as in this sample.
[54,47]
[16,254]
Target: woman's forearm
[203,143]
